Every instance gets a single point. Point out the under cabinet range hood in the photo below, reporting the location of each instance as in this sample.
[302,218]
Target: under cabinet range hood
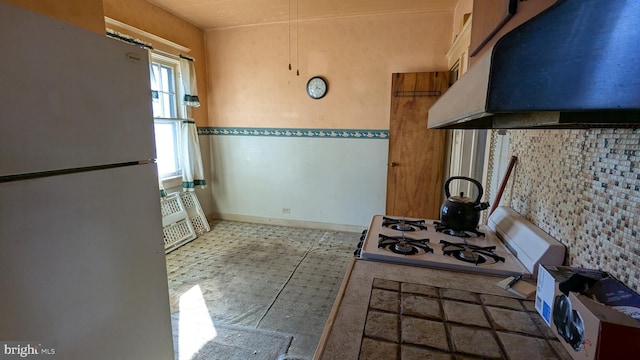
[575,65]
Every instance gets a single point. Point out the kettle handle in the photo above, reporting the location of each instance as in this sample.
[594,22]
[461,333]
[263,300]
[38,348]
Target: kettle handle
[474,181]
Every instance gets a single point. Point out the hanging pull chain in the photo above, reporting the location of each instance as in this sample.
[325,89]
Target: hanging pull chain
[297,40]
[289,34]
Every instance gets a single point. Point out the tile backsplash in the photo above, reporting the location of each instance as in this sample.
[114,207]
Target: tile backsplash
[583,188]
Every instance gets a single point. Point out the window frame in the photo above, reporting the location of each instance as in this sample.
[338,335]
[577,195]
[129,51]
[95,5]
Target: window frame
[180,112]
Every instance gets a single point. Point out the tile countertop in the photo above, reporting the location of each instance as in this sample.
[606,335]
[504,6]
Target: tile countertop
[393,311]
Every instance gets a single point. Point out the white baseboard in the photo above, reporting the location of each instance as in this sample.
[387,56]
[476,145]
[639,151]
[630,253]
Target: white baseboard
[286,222]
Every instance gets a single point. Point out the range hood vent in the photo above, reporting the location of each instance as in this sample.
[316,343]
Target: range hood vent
[575,65]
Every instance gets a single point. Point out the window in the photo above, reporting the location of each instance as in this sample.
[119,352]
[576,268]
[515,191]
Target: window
[163,83]
[167,134]
[167,111]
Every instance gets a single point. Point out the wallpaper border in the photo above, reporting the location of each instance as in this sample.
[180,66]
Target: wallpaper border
[296,132]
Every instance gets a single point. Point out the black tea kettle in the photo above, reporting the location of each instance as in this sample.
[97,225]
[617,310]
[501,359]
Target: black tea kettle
[460,213]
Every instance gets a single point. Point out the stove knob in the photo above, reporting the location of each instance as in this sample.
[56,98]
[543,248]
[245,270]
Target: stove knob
[357,252]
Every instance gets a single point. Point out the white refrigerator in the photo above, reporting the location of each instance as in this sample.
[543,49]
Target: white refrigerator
[82,267]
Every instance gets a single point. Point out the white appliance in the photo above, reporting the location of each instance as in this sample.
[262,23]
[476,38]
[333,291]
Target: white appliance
[509,245]
[82,262]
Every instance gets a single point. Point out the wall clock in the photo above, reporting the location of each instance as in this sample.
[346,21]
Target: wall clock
[317,87]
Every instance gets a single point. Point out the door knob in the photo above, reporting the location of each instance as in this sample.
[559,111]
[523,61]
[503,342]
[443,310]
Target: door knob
[394,164]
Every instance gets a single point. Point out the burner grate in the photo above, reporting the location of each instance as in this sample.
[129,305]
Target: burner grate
[440,227]
[403,224]
[403,245]
[471,253]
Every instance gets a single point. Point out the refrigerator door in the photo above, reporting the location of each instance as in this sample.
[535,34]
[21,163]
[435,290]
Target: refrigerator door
[70,98]
[82,265]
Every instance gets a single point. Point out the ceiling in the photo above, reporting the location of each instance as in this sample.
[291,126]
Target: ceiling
[209,14]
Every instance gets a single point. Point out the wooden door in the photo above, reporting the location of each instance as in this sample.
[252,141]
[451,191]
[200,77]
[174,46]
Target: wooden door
[416,154]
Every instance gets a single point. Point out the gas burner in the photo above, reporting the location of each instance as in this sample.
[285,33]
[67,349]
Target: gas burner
[457,233]
[469,256]
[404,246]
[471,253]
[403,224]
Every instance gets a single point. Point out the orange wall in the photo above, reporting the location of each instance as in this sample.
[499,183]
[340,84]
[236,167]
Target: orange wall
[84,13]
[152,19]
[250,84]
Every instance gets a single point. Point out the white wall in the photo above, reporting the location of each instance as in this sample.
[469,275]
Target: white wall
[324,182]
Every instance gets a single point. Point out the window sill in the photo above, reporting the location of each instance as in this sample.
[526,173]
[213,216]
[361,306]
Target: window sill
[172,182]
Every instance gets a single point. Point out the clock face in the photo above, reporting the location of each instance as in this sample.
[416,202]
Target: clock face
[317,87]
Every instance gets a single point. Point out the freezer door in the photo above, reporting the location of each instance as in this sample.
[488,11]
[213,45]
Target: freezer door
[82,265]
[69,97]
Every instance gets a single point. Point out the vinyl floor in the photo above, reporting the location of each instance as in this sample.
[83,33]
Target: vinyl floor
[265,277]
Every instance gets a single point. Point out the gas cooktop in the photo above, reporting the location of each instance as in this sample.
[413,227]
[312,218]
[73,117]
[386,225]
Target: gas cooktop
[428,243]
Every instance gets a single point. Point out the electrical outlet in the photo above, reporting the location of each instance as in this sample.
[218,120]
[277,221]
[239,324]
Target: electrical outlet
[286,211]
